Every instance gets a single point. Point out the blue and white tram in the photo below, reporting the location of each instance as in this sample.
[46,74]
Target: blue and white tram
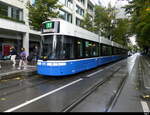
[68,49]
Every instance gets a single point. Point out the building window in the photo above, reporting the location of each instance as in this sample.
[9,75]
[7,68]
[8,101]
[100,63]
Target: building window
[69,17]
[69,4]
[11,12]
[15,13]
[62,14]
[79,10]
[78,22]
[66,16]
[82,2]
[90,8]
[3,9]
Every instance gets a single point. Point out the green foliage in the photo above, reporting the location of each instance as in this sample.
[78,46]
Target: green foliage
[101,20]
[122,32]
[41,11]
[140,21]
[108,26]
[87,23]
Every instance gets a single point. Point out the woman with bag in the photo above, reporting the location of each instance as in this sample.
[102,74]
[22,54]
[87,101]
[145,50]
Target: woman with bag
[22,62]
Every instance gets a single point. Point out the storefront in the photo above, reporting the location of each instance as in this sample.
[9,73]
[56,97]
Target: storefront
[7,40]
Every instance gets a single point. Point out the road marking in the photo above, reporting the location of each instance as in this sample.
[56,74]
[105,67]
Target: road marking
[94,73]
[145,106]
[101,70]
[40,97]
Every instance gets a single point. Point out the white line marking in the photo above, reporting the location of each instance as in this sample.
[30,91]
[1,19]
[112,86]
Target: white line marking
[101,70]
[94,73]
[145,106]
[40,97]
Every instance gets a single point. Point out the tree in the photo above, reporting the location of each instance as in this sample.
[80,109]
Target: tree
[104,22]
[140,21]
[121,32]
[108,26]
[41,11]
[87,23]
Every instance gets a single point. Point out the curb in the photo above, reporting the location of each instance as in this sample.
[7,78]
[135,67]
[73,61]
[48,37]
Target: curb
[13,74]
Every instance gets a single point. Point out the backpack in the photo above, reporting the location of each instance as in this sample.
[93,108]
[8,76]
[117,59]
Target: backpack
[29,58]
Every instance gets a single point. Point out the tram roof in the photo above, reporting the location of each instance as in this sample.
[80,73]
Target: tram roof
[69,29]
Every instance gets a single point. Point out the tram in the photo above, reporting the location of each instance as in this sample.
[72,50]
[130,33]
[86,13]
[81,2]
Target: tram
[68,49]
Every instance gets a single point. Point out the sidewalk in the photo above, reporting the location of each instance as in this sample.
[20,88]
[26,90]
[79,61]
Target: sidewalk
[144,73]
[7,71]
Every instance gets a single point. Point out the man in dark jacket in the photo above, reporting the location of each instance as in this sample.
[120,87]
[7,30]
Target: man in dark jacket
[13,54]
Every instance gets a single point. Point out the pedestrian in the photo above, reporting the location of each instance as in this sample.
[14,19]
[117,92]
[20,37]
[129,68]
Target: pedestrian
[22,61]
[35,53]
[13,54]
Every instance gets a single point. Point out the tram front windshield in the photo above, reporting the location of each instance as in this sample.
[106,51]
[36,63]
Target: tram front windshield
[58,47]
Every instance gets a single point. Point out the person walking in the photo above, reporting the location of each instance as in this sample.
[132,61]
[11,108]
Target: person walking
[13,54]
[35,53]
[22,62]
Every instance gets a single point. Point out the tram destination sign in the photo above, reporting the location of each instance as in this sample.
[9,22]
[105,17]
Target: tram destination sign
[50,27]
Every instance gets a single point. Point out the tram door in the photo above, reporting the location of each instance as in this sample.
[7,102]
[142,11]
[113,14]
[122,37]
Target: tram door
[6,49]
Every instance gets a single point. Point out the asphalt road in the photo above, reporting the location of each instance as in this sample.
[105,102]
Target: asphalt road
[55,94]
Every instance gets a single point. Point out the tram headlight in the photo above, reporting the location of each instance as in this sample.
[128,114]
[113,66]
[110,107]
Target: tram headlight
[39,63]
[45,57]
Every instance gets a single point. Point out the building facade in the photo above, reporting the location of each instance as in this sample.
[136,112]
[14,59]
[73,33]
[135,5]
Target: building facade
[74,11]
[14,25]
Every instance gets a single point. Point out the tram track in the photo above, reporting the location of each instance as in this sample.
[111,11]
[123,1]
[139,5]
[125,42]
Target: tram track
[23,79]
[116,95]
[90,90]
[53,82]
[26,82]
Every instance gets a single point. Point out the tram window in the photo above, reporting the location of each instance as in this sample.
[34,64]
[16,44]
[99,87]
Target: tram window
[47,45]
[79,48]
[118,51]
[106,50]
[58,47]
[68,47]
[94,49]
[64,47]
[87,52]
[109,50]
[115,51]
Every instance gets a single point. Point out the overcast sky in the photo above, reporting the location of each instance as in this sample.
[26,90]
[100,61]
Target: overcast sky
[113,2]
